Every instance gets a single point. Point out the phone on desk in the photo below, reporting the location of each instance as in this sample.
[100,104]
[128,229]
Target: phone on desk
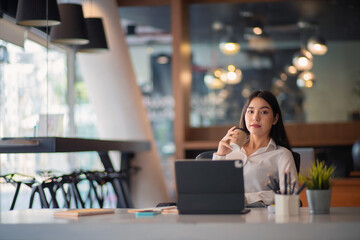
[166,204]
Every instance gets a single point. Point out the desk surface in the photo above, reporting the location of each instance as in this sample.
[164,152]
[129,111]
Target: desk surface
[59,144]
[341,223]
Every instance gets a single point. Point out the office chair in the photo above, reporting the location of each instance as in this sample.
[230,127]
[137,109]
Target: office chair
[296,157]
[356,155]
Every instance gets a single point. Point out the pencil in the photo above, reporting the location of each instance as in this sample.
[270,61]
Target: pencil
[289,182]
[293,188]
[285,180]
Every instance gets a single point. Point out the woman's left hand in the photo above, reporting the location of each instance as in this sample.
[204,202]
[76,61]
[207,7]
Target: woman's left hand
[224,147]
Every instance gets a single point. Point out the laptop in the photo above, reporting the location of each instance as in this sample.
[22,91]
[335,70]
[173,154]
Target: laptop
[210,187]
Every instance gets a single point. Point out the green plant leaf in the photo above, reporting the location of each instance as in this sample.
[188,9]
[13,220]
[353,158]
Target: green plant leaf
[319,176]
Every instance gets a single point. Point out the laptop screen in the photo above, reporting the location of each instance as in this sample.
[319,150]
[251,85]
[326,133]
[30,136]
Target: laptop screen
[214,187]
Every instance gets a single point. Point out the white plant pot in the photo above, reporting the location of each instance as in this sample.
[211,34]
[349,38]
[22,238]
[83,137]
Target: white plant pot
[319,201]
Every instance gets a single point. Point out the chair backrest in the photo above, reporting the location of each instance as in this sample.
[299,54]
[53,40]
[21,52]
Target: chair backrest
[296,157]
[205,155]
[307,156]
[209,155]
[356,155]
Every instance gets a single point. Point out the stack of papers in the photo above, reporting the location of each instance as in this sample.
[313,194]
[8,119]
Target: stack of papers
[156,210]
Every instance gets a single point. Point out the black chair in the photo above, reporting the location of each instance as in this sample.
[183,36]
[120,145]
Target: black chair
[296,157]
[17,179]
[356,155]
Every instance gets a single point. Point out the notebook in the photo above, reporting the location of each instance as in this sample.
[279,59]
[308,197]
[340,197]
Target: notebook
[75,213]
[210,187]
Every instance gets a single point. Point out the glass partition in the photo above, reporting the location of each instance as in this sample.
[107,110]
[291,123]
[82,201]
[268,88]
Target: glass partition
[268,39]
[28,89]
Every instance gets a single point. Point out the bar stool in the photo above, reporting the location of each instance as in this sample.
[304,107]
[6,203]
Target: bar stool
[39,188]
[17,179]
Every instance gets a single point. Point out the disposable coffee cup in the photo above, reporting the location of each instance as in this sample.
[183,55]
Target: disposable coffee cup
[241,139]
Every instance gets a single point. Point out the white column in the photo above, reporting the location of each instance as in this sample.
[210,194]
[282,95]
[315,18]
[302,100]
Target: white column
[117,102]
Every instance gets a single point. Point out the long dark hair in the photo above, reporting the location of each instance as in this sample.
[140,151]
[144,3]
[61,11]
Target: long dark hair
[277,132]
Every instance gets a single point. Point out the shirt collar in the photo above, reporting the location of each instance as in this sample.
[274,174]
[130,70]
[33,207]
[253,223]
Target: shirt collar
[271,145]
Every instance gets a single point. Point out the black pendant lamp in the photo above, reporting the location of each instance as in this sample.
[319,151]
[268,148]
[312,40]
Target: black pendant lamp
[96,33]
[72,30]
[37,13]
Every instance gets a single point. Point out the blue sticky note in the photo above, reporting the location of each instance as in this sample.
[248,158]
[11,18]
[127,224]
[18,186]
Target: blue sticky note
[146,214]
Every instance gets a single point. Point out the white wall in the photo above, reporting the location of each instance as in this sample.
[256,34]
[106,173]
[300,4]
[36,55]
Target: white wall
[117,103]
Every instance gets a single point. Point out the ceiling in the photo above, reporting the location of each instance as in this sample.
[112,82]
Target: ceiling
[336,19]
[283,20]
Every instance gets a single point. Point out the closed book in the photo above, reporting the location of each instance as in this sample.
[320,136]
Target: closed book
[82,212]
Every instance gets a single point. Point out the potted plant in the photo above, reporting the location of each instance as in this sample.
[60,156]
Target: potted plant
[318,183]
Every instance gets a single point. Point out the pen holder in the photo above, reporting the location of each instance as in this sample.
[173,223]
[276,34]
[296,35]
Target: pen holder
[287,205]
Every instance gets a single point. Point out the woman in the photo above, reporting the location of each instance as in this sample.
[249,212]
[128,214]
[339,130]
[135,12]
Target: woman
[267,152]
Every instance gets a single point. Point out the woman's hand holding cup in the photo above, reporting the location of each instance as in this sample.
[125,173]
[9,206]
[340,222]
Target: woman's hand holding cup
[240,140]
[233,140]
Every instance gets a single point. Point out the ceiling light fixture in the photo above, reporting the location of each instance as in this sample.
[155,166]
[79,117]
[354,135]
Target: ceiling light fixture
[306,79]
[162,59]
[257,30]
[213,82]
[96,34]
[231,68]
[216,26]
[257,27]
[37,13]
[218,72]
[232,76]
[279,83]
[283,76]
[228,45]
[317,45]
[72,30]
[303,60]
[291,70]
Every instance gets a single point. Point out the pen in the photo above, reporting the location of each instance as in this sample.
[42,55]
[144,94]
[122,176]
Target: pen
[276,183]
[276,191]
[271,186]
[285,180]
[273,183]
[293,188]
[289,182]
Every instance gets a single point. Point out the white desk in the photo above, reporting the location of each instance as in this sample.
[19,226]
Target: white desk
[340,224]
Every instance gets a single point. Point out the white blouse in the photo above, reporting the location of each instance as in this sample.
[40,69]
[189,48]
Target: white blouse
[270,160]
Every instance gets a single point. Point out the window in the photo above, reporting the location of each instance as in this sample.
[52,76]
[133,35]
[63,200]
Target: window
[34,102]
[27,89]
